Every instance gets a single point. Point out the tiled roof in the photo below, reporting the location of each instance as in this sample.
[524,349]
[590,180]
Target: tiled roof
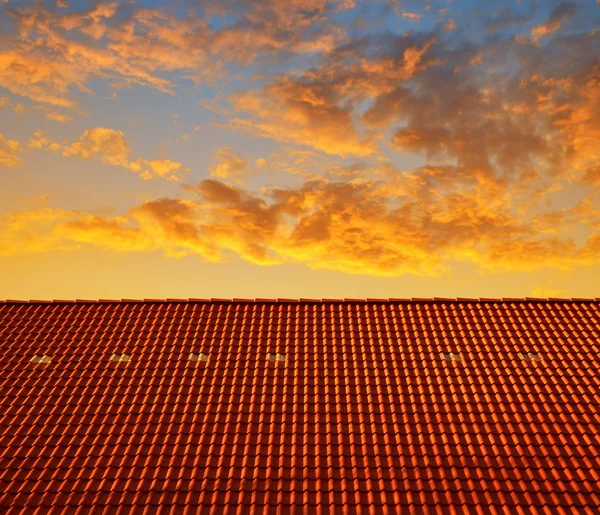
[283,406]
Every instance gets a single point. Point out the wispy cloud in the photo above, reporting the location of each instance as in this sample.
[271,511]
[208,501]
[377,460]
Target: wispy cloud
[229,164]
[54,52]
[411,16]
[9,150]
[110,146]
[303,113]
[558,16]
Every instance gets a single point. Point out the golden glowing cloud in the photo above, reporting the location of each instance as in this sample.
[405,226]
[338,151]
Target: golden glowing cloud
[53,52]
[58,117]
[558,16]
[8,152]
[228,163]
[304,114]
[411,16]
[411,223]
[110,146]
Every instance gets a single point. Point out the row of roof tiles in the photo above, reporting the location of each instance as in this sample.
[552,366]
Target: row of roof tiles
[446,356]
[345,300]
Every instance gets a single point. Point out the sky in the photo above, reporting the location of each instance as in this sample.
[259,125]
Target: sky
[299,149]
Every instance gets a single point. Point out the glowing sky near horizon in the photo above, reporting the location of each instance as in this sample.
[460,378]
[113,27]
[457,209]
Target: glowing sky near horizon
[308,148]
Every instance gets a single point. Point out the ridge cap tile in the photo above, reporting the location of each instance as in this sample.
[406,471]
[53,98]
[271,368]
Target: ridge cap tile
[431,300]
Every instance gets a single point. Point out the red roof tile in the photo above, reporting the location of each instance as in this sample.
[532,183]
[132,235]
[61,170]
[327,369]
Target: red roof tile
[387,406]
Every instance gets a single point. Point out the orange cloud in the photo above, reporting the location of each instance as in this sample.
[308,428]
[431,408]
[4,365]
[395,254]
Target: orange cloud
[450,25]
[557,17]
[58,117]
[411,16]
[110,146]
[228,163]
[305,114]
[431,139]
[8,152]
[52,52]
[18,108]
[416,222]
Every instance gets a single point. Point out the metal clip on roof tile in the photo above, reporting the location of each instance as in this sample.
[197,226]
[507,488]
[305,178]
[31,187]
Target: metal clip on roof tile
[40,359]
[451,356]
[197,357]
[120,357]
[530,356]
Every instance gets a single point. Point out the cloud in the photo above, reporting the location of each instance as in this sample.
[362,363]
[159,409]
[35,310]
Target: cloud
[39,79]
[558,16]
[8,152]
[18,108]
[215,191]
[51,52]
[303,113]
[58,117]
[450,25]
[110,146]
[418,223]
[503,127]
[319,107]
[431,139]
[107,144]
[411,16]
[228,163]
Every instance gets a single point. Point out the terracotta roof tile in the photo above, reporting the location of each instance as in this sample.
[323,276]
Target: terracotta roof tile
[311,405]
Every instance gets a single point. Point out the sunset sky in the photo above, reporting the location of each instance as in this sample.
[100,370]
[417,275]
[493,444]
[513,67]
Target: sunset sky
[299,148]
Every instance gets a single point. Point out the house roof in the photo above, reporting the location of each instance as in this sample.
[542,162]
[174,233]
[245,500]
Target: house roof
[311,405]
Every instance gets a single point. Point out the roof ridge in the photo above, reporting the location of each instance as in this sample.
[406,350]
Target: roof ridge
[432,300]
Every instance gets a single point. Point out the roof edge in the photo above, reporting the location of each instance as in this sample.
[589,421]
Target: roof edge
[414,300]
